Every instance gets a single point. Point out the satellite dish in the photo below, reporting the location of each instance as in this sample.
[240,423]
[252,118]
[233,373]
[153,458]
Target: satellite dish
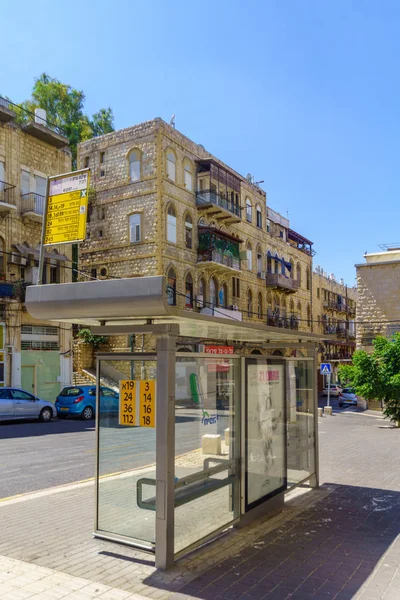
[172,121]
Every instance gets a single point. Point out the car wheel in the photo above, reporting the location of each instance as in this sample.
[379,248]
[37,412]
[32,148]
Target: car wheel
[87,413]
[46,414]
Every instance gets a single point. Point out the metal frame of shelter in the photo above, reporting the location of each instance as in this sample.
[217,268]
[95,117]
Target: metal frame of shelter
[139,306]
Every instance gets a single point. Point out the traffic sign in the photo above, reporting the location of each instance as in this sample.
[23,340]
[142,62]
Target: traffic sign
[66,209]
[325,368]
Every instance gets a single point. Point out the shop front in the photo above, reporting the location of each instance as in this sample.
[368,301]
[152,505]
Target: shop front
[196,442]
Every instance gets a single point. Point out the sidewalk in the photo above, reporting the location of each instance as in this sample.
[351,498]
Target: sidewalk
[336,542]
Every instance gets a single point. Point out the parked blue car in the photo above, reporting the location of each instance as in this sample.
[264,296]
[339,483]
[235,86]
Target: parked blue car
[80,401]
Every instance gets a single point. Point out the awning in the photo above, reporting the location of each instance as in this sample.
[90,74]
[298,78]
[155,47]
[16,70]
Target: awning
[118,303]
[27,251]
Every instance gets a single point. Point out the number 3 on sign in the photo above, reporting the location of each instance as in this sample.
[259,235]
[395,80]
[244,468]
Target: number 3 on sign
[147,411]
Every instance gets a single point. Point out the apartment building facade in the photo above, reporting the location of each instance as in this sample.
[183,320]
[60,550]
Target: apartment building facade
[334,312]
[162,205]
[378,282]
[33,355]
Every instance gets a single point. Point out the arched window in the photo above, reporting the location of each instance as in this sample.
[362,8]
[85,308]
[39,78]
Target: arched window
[188,175]
[248,210]
[299,310]
[276,266]
[291,308]
[249,257]
[188,231]
[259,260]
[308,315]
[308,278]
[201,222]
[269,262]
[298,269]
[171,287]
[213,292]
[283,307]
[223,296]
[283,266]
[249,304]
[259,216]
[189,291]
[134,165]
[201,298]
[171,165]
[171,224]
[2,262]
[259,307]
[291,268]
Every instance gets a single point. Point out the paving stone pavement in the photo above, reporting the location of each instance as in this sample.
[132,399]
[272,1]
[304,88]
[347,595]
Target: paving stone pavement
[336,542]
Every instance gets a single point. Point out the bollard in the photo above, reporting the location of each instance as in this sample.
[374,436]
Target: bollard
[227,436]
[327,410]
[211,444]
[320,412]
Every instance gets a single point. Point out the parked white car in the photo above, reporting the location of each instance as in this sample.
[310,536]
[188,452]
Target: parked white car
[347,396]
[334,390]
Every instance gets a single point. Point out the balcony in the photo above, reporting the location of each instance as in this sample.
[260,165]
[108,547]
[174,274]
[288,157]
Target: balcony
[218,207]
[285,322]
[281,283]
[52,136]
[6,113]
[7,199]
[32,206]
[218,249]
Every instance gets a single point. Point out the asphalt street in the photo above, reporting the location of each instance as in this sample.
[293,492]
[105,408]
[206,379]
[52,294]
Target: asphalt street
[35,455]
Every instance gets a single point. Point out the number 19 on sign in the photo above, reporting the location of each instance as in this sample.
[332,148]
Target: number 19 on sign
[147,403]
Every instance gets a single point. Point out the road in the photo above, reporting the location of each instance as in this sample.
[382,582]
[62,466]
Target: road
[35,456]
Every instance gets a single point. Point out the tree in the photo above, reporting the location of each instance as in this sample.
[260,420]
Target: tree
[64,106]
[376,376]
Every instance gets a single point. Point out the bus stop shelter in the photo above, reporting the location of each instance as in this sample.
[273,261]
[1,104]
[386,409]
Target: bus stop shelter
[190,444]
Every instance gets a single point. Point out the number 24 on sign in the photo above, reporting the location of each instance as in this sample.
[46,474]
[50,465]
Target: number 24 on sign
[147,404]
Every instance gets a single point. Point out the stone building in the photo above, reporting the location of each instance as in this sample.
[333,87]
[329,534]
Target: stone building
[378,282]
[334,311]
[34,355]
[162,205]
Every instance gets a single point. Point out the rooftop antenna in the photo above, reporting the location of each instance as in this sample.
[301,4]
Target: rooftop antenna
[287,213]
[172,121]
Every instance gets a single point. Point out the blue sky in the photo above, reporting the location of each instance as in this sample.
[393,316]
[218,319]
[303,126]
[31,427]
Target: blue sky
[302,94]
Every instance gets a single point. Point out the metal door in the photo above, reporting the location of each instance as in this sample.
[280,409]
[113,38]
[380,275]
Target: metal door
[28,378]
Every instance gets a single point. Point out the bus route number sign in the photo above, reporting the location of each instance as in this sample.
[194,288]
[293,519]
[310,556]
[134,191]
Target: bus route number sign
[127,402]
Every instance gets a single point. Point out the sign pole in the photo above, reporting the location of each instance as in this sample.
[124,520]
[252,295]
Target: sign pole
[329,387]
[41,254]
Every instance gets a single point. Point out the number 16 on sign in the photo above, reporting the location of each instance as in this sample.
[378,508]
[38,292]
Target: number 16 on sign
[147,403]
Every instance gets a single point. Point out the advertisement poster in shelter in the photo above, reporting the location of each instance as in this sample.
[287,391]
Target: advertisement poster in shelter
[266,439]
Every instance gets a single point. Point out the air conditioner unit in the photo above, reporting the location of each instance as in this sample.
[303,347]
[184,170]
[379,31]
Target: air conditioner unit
[16,259]
[31,275]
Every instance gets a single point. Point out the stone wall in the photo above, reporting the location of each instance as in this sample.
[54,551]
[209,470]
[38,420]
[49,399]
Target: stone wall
[378,293]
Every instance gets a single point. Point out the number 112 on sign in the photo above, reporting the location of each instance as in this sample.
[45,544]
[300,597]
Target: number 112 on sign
[147,403]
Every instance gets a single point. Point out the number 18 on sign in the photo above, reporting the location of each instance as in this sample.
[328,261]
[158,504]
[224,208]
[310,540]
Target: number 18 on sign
[127,402]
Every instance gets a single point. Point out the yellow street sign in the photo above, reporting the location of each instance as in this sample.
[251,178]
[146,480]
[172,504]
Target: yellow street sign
[66,210]
[127,402]
[147,403]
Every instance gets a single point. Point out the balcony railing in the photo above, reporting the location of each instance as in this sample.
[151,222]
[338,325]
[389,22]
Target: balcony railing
[219,258]
[278,281]
[207,197]
[7,193]
[32,203]
[339,332]
[336,356]
[285,322]
[339,306]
